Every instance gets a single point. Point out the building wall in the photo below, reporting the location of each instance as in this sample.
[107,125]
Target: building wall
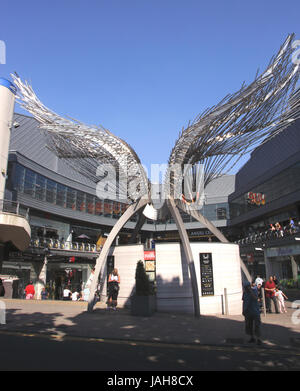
[269,159]
[174,292]
[126,258]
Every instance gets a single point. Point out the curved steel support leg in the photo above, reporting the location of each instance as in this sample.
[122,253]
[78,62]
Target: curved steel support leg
[101,260]
[139,224]
[188,253]
[198,216]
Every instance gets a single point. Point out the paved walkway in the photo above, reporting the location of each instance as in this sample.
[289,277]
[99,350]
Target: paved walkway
[70,319]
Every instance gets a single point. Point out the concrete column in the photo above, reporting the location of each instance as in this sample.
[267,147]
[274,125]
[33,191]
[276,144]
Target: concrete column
[269,271]
[294,268]
[38,275]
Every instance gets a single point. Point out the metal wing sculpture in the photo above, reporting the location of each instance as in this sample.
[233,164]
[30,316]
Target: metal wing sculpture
[85,147]
[216,140]
[241,121]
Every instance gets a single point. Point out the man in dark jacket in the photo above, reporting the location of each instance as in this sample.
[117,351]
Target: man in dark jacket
[251,313]
[2,289]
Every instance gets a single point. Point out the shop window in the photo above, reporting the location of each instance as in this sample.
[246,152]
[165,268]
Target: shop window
[40,187]
[108,208]
[71,196]
[61,195]
[221,214]
[50,191]
[116,209]
[80,201]
[99,207]
[29,182]
[90,203]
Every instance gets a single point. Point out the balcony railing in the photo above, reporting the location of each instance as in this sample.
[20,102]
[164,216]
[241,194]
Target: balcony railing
[14,207]
[56,244]
[261,237]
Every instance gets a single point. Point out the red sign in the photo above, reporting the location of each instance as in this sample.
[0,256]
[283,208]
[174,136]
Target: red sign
[72,259]
[149,255]
[256,198]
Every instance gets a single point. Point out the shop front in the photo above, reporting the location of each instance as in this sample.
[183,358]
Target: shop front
[284,262]
[50,272]
[62,274]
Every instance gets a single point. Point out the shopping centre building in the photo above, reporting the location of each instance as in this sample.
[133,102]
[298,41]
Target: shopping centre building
[69,223]
[267,191]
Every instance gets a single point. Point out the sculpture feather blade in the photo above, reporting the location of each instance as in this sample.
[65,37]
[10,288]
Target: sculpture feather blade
[86,147]
[221,135]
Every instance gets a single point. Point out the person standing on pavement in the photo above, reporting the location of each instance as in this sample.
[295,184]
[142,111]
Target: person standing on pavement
[67,294]
[75,296]
[2,289]
[44,294]
[251,313]
[113,289]
[29,291]
[270,289]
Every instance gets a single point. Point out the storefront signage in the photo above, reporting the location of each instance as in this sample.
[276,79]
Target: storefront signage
[199,233]
[149,255]
[207,278]
[256,198]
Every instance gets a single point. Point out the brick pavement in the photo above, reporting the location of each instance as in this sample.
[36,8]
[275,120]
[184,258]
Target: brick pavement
[71,319]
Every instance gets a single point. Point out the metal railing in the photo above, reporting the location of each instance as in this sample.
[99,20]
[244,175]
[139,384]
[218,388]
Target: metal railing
[57,244]
[259,237]
[14,207]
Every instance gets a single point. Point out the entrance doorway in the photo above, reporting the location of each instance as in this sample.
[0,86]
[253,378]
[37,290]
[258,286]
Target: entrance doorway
[58,278]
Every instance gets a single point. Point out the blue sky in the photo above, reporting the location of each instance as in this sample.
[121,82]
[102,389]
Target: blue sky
[141,68]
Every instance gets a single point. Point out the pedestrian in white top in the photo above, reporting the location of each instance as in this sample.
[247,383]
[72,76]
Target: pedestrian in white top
[113,289]
[67,294]
[75,296]
[280,296]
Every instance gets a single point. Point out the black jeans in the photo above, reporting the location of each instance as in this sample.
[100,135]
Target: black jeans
[268,304]
[252,325]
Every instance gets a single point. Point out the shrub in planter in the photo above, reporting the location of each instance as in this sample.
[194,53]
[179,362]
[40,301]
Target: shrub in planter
[143,302]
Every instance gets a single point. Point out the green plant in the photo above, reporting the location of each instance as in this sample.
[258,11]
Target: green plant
[289,283]
[143,285]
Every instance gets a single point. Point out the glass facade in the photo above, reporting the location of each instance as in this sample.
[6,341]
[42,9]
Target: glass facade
[44,189]
[286,182]
[213,212]
[29,182]
[41,188]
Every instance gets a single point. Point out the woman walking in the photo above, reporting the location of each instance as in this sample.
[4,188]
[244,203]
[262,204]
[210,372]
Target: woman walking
[113,289]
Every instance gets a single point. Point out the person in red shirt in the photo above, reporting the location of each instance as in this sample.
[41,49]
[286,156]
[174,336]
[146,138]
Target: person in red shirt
[30,292]
[270,289]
